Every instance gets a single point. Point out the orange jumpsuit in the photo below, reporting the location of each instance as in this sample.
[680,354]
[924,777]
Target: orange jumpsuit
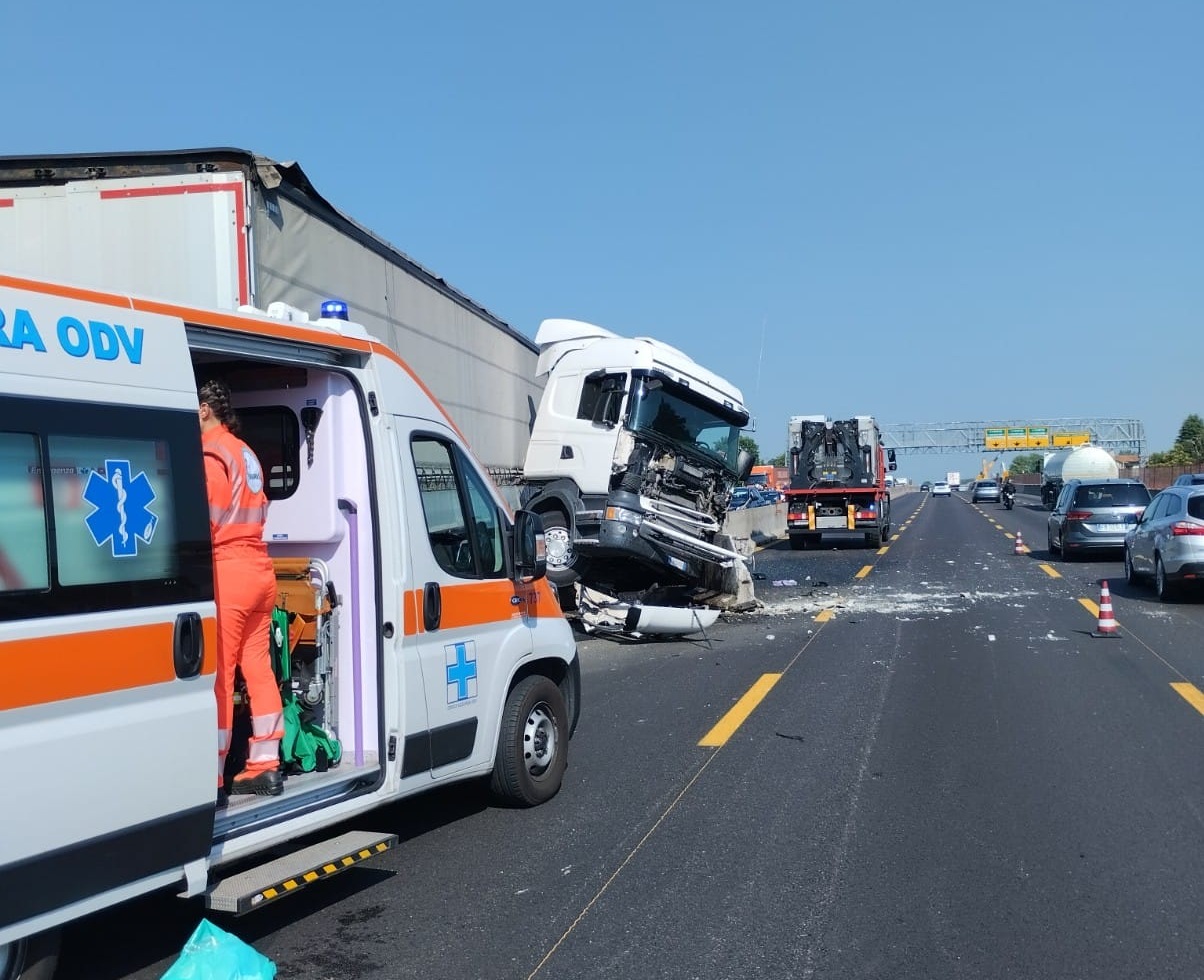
[245,590]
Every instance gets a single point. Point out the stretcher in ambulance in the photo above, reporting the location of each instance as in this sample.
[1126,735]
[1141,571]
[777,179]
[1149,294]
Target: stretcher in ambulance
[423,638]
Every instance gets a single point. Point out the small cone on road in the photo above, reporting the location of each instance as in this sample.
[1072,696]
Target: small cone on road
[1019,548]
[1107,622]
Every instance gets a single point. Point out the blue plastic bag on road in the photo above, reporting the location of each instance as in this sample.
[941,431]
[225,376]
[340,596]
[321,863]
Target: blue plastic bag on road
[213,954]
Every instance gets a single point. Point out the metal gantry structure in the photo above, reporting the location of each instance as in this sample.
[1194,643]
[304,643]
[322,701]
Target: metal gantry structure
[1118,436]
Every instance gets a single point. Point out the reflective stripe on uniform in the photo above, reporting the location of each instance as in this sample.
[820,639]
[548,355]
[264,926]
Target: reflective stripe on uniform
[241,515]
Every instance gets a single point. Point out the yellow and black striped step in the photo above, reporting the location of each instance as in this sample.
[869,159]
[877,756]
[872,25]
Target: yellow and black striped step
[256,887]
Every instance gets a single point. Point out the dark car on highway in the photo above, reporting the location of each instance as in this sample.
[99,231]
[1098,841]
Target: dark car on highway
[1094,515]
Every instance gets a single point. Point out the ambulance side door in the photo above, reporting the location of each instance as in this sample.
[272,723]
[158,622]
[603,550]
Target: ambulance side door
[107,652]
[471,624]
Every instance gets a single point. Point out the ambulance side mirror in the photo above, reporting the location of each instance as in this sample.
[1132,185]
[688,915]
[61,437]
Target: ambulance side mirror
[530,557]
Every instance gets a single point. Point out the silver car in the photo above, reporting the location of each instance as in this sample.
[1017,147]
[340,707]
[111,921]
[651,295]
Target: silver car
[985,490]
[1167,544]
[1094,515]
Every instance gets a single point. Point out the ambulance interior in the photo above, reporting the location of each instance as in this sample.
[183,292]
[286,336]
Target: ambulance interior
[306,426]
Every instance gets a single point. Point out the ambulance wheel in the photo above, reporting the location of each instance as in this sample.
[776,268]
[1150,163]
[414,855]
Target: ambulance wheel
[32,958]
[558,545]
[533,745]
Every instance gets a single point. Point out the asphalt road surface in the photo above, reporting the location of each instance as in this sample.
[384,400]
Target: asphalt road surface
[939,772]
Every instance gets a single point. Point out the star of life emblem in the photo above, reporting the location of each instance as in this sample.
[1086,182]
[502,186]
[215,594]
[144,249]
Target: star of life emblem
[121,516]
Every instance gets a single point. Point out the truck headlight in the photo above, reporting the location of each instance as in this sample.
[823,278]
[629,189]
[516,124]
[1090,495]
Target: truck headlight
[624,515]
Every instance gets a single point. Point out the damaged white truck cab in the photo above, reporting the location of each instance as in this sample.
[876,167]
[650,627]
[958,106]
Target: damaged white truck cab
[633,456]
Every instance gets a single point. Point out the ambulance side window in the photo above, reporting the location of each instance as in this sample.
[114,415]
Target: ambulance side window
[487,530]
[102,507]
[461,521]
[24,557]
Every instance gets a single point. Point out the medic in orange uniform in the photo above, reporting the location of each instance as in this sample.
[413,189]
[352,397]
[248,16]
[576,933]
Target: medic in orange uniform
[245,590]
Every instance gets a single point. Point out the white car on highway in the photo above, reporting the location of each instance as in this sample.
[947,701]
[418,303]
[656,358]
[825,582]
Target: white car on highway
[941,489]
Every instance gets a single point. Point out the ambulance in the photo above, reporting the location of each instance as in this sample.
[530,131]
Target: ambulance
[421,636]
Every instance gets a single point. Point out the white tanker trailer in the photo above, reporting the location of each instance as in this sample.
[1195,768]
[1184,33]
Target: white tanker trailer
[1079,463]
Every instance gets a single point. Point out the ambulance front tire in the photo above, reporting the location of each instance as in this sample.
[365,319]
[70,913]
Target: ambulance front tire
[32,958]
[533,744]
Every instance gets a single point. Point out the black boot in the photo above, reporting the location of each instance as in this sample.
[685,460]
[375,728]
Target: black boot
[268,783]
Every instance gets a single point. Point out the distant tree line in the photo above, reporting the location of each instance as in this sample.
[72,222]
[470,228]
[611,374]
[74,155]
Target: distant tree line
[1188,448]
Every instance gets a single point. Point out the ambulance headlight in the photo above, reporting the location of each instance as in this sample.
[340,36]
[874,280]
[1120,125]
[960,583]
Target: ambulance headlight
[624,515]
[335,309]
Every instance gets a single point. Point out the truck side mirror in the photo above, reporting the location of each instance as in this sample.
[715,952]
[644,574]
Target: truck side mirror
[530,556]
[611,388]
[890,456]
[610,409]
[744,464]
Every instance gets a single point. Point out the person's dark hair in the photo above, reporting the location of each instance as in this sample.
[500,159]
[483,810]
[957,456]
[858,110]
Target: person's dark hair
[216,395]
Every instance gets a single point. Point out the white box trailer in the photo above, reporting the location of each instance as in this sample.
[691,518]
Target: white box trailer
[221,228]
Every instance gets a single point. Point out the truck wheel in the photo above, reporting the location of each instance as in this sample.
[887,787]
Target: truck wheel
[533,745]
[561,555]
[32,958]
[874,538]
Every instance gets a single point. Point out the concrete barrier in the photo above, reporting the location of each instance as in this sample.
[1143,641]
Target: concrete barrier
[755,527]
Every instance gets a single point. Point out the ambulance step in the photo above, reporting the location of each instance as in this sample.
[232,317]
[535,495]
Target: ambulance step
[256,887]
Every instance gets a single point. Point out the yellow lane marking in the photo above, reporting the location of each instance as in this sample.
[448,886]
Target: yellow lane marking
[1008,534]
[727,725]
[864,571]
[1050,570]
[1192,695]
[825,615]
[884,550]
[1090,606]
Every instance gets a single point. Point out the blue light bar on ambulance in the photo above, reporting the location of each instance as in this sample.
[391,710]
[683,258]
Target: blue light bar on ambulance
[335,309]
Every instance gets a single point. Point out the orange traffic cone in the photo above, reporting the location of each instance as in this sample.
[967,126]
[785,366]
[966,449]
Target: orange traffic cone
[1019,549]
[1107,623]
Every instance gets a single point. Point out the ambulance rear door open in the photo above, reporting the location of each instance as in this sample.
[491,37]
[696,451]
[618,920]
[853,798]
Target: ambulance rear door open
[107,621]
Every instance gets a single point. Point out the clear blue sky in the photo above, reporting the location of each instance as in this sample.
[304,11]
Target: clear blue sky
[926,211]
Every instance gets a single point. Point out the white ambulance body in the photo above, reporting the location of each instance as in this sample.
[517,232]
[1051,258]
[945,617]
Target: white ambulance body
[428,641]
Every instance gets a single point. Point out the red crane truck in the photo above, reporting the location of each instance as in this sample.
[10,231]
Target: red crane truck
[837,479]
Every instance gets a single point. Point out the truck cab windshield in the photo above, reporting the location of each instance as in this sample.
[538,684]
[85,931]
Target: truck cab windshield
[673,412]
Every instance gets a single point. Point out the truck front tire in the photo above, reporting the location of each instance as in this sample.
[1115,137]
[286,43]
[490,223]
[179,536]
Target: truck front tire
[561,554]
[533,744]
